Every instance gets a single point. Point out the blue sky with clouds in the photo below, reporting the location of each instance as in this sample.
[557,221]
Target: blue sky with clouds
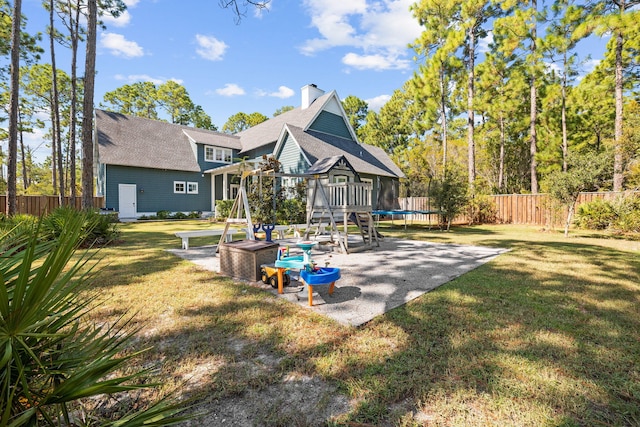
[357,47]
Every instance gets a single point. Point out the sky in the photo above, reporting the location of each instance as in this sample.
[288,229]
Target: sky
[356,47]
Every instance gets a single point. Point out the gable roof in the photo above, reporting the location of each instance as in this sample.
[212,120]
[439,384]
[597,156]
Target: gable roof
[268,131]
[135,141]
[217,139]
[323,166]
[364,158]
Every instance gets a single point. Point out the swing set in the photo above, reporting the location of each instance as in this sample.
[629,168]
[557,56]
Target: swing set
[347,199]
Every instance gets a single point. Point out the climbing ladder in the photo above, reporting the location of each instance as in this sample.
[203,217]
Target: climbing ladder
[364,221]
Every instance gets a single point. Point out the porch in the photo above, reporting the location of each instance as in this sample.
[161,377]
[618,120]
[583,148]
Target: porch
[343,197]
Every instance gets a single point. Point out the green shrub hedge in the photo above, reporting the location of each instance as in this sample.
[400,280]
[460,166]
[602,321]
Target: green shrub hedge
[621,214]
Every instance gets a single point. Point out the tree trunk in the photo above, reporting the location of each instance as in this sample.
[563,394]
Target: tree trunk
[568,223]
[25,177]
[443,118]
[55,108]
[470,113]
[617,156]
[74,34]
[12,199]
[565,145]
[54,151]
[534,102]
[87,107]
[501,163]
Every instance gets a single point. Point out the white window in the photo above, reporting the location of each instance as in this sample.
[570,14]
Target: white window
[209,154]
[340,178]
[179,187]
[215,154]
[192,188]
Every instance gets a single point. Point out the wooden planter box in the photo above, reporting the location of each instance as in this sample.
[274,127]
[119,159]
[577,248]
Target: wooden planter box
[242,259]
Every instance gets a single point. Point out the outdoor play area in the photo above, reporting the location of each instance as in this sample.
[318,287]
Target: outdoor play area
[545,333]
[349,288]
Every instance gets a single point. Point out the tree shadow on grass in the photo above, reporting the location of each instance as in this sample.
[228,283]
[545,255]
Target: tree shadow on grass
[510,340]
[518,341]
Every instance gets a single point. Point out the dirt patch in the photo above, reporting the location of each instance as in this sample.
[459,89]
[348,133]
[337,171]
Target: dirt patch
[295,400]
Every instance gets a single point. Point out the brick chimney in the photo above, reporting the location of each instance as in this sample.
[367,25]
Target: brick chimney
[310,93]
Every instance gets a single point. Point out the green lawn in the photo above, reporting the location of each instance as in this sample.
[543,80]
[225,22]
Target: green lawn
[547,334]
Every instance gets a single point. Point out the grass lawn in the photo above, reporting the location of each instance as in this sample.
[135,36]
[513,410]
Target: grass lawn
[547,334]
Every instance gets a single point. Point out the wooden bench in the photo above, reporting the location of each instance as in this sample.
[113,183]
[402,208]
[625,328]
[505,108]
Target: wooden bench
[185,235]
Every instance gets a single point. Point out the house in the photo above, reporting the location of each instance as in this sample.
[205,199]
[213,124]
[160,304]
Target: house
[144,166]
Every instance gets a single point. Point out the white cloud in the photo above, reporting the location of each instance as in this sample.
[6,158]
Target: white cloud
[587,67]
[121,21]
[378,102]
[119,46]
[483,44]
[380,29]
[258,12]
[124,18]
[282,93]
[552,67]
[132,78]
[210,47]
[230,89]
[375,62]
[591,65]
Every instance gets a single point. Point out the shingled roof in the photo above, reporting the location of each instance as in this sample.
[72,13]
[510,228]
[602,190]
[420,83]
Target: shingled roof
[269,131]
[363,158]
[135,141]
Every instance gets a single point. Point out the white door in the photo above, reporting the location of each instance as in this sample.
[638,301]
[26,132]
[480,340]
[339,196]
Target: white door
[127,200]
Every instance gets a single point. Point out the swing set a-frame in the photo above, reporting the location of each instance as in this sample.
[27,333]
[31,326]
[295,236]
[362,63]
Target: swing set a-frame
[345,202]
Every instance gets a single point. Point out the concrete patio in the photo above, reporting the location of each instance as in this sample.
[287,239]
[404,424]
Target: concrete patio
[373,281]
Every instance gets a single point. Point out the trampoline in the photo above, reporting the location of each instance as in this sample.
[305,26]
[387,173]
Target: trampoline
[404,213]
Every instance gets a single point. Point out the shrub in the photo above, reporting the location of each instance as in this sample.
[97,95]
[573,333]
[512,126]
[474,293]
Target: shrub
[163,214]
[97,228]
[263,192]
[598,214]
[101,229]
[12,226]
[628,214]
[449,195]
[53,356]
[223,208]
[292,211]
[178,215]
[482,210]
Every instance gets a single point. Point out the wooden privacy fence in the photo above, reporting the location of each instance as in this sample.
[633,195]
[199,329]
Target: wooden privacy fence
[40,205]
[531,209]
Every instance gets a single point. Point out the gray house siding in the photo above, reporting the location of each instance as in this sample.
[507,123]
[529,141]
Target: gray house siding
[155,189]
[332,124]
[290,157]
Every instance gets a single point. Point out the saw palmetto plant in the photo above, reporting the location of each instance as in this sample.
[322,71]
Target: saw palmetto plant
[52,360]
